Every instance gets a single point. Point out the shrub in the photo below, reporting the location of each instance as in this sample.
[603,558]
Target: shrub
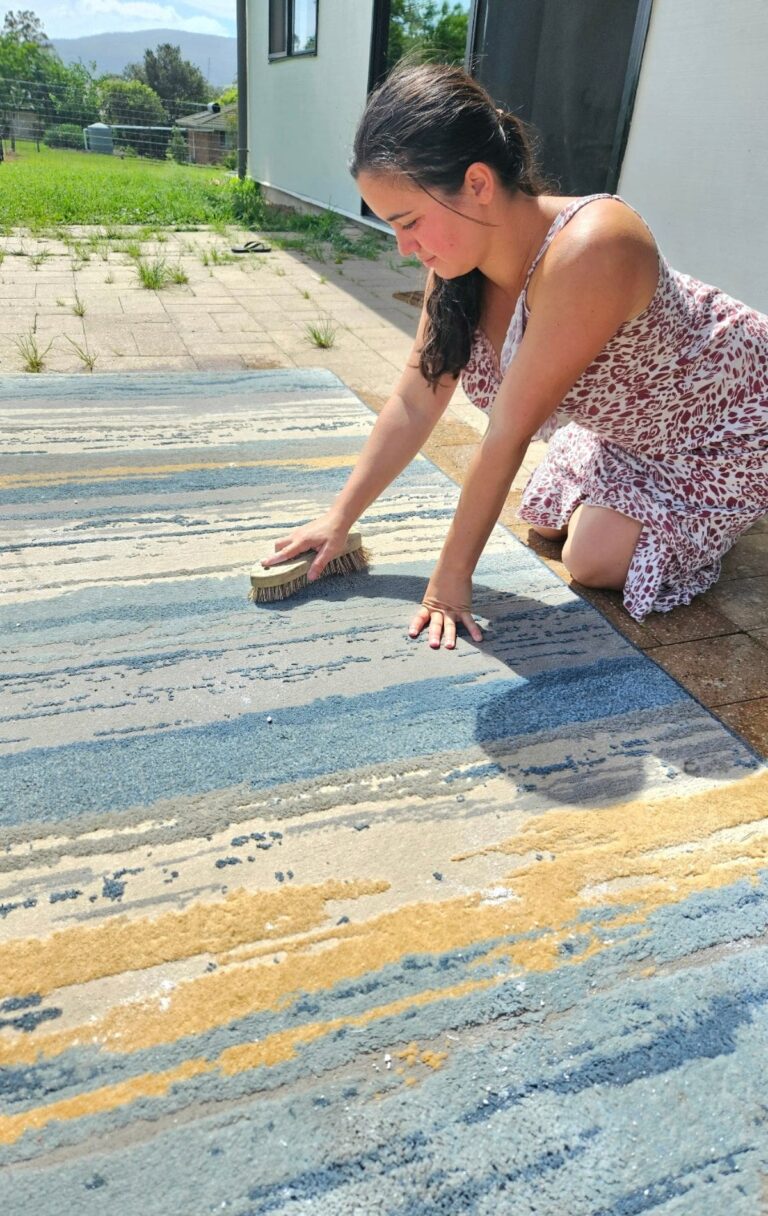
[177,147]
[64,135]
[248,203]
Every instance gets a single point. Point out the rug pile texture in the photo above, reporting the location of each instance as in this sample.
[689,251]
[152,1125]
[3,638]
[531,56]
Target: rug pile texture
[298,916]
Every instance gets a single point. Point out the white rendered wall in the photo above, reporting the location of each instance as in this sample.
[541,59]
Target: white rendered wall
[303,111]
[696,164]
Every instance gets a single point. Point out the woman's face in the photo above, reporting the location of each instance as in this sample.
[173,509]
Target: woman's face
[442,240]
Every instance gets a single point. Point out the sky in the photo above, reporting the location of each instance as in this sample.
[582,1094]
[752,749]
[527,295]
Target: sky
[77,18]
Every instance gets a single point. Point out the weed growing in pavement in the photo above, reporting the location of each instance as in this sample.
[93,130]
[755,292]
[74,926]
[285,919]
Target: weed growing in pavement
[221,257]
[84,355]
[154,275]
[78,307]
[33,356]
[37,259]
[322,333]
[178,275]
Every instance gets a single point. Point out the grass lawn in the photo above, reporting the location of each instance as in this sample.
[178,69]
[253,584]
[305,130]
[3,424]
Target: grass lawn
[65,187]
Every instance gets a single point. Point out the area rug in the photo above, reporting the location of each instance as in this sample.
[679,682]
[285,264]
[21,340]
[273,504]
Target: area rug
[299,916]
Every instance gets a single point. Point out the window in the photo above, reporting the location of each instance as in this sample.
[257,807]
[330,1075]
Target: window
[292,28]
[571,70]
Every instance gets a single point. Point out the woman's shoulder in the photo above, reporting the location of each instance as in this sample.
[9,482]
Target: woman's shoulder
[595,238]
[600,221]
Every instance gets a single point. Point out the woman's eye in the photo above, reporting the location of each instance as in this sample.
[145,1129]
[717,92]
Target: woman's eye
[407,227]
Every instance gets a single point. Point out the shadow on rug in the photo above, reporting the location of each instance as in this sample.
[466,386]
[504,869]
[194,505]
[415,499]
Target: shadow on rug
[299,916]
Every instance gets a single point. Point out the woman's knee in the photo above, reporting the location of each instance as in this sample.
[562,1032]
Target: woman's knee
[600,547]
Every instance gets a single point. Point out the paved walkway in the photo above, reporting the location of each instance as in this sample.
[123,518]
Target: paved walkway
[74,303]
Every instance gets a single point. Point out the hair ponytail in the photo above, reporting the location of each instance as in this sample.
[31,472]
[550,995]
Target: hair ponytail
[430,122]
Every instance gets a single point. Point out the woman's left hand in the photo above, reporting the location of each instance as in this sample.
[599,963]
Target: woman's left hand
[447,603]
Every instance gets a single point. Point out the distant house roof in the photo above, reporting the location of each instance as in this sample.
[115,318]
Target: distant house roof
[206,121]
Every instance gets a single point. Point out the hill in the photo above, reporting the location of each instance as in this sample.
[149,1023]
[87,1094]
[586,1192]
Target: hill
[215,57]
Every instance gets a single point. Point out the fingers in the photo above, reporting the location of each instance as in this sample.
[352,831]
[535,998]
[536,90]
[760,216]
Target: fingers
[419,621]
[472,627]
[443,627]
[285,549]
[320,562]
[435,629]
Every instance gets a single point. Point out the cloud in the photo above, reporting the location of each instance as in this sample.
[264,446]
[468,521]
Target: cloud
[78,18]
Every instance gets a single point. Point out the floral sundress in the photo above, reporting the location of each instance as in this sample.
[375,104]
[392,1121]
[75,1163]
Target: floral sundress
[668,425]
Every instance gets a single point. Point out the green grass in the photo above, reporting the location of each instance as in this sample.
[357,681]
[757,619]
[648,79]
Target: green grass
[61,186]
[66,187]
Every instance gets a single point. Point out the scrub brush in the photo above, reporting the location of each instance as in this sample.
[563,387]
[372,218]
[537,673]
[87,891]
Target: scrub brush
[278,582]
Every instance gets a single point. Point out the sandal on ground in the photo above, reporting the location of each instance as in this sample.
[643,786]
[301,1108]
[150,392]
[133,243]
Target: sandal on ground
[252,247]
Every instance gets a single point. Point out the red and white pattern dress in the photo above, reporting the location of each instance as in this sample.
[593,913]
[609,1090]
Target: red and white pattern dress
[668,425]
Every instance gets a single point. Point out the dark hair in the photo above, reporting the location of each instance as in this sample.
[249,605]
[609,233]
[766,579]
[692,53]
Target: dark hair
[430,122]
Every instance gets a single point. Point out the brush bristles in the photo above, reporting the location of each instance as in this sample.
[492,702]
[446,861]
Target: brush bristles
[346,563]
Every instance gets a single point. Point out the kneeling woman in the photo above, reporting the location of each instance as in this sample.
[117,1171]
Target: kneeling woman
[563,320]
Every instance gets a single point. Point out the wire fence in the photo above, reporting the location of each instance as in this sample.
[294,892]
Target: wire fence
[108,119]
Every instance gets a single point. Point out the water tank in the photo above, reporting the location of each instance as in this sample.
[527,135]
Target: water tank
[98,138]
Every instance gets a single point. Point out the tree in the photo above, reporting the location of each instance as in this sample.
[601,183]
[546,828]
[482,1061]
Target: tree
[76,100]
[25,26]
[30,76]
[177,81]
[427,30]
[133,105]
[16,98]
[177,148]
[33,78]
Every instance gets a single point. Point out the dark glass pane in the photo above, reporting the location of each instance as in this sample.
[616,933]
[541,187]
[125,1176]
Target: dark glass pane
[278,27]
[304,27]
[562,67]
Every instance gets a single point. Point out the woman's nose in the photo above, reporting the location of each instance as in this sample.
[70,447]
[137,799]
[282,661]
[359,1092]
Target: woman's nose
[406,243]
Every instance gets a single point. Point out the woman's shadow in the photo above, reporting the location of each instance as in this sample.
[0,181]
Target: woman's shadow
[575,714]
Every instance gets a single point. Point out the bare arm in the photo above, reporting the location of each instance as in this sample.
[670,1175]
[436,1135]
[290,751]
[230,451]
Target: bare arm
[590,288]
[403,426]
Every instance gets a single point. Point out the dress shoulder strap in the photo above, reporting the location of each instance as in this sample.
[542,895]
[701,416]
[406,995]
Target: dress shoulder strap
[559,223]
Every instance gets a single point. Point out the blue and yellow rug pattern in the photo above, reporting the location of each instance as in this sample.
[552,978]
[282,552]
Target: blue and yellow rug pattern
[299,916]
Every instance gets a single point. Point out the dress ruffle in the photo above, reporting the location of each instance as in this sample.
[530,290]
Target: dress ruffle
[673,560]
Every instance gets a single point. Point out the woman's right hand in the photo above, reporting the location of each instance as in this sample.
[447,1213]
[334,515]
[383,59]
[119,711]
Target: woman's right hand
[326,535]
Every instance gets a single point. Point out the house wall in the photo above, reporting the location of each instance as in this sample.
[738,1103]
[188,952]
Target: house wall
[205,147]
[303,111]
[696,163]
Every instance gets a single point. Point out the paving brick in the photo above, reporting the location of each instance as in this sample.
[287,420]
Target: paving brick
[750,719]
[743,600]
[720,670]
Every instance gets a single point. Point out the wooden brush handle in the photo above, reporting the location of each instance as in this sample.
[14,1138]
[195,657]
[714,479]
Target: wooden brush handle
[295,567]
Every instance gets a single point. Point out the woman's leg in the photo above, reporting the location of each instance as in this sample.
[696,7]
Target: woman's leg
[600,546]
[549,533]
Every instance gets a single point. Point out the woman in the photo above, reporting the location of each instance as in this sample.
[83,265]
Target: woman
[553,310]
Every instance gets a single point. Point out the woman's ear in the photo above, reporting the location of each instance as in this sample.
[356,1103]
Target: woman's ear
[480,182]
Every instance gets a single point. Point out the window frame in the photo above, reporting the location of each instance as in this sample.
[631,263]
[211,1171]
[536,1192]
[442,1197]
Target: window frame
[289,53]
